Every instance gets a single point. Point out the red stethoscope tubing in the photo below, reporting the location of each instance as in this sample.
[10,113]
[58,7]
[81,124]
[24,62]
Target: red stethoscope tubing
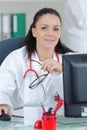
[32,70]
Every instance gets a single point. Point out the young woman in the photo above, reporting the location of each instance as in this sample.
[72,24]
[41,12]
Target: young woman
[32,75]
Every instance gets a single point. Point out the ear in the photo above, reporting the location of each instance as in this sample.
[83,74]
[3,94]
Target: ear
[34,32]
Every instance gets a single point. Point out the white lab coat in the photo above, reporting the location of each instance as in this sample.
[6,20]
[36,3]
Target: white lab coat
[75,24]
[14,90]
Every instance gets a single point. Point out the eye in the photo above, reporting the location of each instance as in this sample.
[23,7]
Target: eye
[56,29]
[43,28]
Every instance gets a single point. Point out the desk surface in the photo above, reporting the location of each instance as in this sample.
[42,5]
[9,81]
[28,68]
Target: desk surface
[62,124]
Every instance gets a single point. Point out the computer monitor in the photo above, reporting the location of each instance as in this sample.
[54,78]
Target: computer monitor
[75,84]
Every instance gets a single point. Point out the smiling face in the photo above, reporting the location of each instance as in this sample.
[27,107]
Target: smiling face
[47,32]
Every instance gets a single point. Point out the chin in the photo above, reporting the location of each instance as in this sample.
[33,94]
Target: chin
[50,47]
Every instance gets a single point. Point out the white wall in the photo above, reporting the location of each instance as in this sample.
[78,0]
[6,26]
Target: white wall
[29,6]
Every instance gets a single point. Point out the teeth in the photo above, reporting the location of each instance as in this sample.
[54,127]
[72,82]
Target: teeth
[49,40]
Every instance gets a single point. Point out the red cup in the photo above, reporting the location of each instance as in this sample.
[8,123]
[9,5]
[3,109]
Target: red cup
[48,121]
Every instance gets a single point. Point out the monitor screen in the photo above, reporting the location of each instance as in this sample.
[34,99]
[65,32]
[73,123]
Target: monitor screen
[75,84]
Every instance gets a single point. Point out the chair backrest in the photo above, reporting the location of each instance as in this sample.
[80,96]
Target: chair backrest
[8,45]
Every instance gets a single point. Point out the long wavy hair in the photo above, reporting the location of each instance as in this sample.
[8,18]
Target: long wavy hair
[30,41]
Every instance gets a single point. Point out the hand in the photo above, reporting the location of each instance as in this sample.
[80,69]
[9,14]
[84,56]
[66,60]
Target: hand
[4,108]
[52,65]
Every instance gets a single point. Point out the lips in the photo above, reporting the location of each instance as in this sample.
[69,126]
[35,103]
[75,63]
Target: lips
[49,40]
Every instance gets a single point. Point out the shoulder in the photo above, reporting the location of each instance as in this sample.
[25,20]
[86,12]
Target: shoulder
[69,53]
[21,50]
[18,53]
[15,56]
[60,55]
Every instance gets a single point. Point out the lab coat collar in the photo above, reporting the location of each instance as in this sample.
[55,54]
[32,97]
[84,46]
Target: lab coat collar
[35,57]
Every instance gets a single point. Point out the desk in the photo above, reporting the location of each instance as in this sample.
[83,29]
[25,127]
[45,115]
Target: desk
[62,124]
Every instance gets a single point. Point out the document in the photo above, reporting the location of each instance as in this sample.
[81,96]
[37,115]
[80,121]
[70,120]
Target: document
[6,26]
[19,24]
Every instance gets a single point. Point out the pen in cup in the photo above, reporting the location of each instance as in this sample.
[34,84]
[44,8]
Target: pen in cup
[59,104]
[43,108]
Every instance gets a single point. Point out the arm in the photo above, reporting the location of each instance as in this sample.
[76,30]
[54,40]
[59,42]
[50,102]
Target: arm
[7,85]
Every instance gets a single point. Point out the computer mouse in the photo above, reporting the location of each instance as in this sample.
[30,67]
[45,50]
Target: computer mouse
[5,117]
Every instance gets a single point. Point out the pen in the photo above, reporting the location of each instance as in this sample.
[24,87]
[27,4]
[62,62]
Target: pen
[59,104]
[50,110]
[43,108]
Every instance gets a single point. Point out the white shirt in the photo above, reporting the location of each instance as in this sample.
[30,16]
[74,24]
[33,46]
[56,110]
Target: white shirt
[75,24]
[14,88]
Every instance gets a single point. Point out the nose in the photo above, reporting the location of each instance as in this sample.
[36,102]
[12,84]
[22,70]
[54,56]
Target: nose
[50,32]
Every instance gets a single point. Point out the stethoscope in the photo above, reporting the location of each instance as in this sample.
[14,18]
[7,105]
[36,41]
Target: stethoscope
[39,78]
[42,77]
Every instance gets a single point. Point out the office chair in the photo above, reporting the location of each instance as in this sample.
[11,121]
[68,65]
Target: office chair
[8,45]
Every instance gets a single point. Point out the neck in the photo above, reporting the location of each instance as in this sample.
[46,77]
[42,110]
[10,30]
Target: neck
[44,55]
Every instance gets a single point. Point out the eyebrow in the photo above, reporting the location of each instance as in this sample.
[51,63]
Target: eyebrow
[48,25]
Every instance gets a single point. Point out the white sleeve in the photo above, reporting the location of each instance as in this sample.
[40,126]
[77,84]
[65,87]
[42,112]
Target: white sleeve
[75,25]
[7,81]
[75,13]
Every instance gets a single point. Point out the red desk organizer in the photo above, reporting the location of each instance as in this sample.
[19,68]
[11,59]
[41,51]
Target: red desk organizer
[48,121]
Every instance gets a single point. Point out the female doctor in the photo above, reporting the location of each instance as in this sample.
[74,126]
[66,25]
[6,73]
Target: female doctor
[32,75]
